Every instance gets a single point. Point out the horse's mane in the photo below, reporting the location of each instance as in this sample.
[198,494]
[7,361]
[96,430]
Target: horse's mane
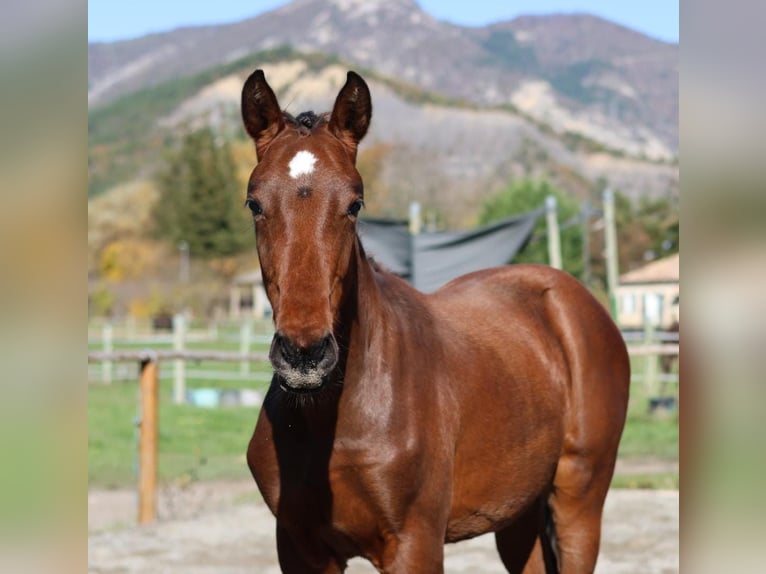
[376,265]
[306,122]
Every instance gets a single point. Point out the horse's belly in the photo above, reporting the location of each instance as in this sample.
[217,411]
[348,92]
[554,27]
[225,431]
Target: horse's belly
[470,518]
[493,492]
[489,518]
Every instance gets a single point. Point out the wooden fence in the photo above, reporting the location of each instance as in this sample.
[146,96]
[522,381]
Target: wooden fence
[149,368]
[247,334]
[118,338]
[148,420]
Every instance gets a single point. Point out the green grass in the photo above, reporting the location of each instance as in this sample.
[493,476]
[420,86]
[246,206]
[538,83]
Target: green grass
[194,443]
[659,481]
[648,435]
[205,444]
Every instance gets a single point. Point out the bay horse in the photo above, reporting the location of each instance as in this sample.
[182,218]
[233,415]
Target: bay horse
[398,421]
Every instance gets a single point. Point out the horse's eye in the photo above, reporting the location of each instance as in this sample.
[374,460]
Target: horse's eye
[353,209]
[254,206]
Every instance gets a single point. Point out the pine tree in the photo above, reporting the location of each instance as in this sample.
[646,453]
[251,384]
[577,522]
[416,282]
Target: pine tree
[200,200]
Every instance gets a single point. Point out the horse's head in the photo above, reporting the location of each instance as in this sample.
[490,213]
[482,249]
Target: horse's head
[305,195]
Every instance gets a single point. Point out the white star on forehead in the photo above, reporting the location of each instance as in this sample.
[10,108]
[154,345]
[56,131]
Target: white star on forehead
[302,164]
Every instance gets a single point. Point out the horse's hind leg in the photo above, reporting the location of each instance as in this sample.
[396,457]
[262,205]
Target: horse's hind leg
[523,545]
[577,503]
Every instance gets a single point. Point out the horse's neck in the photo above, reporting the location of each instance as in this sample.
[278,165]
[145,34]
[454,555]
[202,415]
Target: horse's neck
[386,319]
[361,308]
[382,307]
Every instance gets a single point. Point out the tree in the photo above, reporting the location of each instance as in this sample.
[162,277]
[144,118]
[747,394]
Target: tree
[377,193]
[200,198]
[647,228]
[526,195]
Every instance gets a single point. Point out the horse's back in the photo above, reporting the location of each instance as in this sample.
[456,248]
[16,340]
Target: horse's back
[536,308]
[517,295]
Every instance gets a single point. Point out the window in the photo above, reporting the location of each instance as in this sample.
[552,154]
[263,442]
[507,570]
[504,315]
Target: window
[628,303]
[653,308]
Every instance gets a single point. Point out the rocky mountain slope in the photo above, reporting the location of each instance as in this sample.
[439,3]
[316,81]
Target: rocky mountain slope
[447,155]
[576,74]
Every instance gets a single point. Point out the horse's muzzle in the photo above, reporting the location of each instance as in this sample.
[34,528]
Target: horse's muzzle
[303,368]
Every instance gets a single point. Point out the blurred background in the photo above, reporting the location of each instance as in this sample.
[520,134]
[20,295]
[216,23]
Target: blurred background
[47,412]
[482,111]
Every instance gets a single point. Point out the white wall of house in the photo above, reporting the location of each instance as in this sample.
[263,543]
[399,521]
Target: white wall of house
[653,301]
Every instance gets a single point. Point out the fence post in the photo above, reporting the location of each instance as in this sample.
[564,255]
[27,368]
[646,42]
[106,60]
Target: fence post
[554,238]
[650,368]
[107,367]
[610,239]
[147,443]
[586,213]
[179,368]
[245,336]
[415,218]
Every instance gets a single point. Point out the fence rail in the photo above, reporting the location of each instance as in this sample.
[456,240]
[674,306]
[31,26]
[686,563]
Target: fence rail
[185,355]
[653,349]
[650,344]
[150,361]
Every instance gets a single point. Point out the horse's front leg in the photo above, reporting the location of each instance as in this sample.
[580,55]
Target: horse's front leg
[302,557]
[417,550]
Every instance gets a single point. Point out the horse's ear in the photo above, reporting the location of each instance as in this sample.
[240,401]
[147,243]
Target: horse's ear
[260,112]
[352,111]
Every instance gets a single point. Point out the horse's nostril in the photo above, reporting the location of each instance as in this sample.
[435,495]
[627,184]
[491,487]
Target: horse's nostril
[329,355]
[320,355]
[288,350]
[317,351]
[282,351]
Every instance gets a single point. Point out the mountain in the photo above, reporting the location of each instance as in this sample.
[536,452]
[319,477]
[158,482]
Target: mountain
[576,74]
[447,154]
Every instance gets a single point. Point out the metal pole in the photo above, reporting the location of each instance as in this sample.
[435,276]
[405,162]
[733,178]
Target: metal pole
[234,301]
[415,225]
[610,238]
[650,373]
[245,334]
[179,368]
[183,269]
[586,210]
[147,443]
[554,239]
[415,218]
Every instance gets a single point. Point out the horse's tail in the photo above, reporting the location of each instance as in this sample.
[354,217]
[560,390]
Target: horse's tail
[549,542]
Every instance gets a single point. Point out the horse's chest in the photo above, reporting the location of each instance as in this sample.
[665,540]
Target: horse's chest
[351,502]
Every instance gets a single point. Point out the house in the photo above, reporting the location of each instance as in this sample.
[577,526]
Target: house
[649,293]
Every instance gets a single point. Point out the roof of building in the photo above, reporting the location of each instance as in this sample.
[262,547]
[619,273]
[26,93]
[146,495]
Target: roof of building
[665,270]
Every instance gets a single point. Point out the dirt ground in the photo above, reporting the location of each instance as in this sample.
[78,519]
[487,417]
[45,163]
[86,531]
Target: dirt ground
[222,528]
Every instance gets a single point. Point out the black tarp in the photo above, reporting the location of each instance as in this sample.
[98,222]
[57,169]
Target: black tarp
[431,259]
[388,241]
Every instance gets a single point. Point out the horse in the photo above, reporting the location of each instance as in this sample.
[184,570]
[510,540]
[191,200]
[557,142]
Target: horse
[396,421]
